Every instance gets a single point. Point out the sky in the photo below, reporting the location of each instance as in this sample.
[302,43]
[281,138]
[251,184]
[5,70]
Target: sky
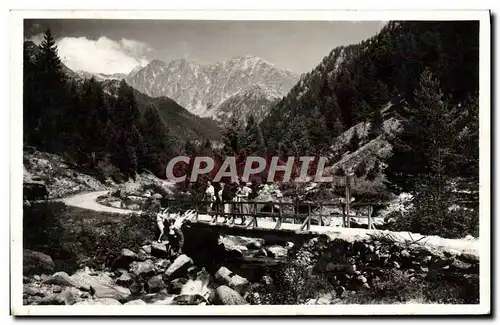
[118,46]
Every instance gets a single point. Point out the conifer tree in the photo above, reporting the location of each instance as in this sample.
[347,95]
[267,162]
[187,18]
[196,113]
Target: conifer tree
[51,80]
[232,137]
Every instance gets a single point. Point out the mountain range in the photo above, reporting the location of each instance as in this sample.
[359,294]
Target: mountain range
[206,90]
[184,125]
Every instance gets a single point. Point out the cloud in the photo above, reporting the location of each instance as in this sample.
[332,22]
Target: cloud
[37,39]
[103,55]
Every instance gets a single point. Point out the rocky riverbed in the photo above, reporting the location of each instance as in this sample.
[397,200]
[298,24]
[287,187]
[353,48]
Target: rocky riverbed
[241,270]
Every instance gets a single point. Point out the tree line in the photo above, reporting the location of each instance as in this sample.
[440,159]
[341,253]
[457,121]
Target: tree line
[117,133]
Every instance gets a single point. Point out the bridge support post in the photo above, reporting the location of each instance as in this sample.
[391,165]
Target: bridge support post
[348,200]
[309,217]
[278,223]
[321,222]
[370,221]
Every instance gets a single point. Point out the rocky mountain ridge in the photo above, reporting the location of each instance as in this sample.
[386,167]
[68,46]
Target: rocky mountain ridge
[201,89]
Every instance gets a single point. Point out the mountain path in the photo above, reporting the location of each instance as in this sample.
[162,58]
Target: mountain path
[89,201]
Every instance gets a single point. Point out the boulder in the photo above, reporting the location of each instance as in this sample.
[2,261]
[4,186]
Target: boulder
[113,292]
[351,269]
[136,302]
[468,258]
[134,206]
[195,299]
[157,196]
[123,261]
[175,286]
[56,289]
[203,276]
[459,266]
[142,269]
[155,284]
[99,301]
[151,298]
[361,279]
[33,291]
[232,280]
[276,251]
[240,243]
[135,288]
[146,249]
[326,299]
[179,266]
[115,204]
[159,249]
[234,254]
[267,280]
[162,265]
[125,279]
[34,261]
[261,253]
[255,244]
[451,252]
[169,300]
[405,254]
[85,278]
[62,279]
[224,295]
[192,272]
[63,298]
[196,287]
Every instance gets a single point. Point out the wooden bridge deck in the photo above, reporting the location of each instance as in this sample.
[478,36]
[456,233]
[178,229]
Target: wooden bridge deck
[263,225]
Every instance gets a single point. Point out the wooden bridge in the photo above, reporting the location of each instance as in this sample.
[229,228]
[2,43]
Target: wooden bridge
[298,217]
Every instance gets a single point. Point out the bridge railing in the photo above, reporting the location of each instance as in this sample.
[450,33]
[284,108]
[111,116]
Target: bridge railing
[303,213]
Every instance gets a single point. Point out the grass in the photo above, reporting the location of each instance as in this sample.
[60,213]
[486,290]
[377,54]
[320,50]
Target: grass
[72,235]
[398,287]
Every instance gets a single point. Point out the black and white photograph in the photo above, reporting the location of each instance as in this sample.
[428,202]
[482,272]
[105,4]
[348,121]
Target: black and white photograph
[182,164]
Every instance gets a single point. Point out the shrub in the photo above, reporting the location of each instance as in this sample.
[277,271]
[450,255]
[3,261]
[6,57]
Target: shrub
[156,188]
[42,225]
[293,284]
[428,215]
[395,286]
[106,170]
[102,244]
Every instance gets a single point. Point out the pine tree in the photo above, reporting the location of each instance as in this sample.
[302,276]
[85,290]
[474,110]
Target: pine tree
[376,124]
[424,158]
[338,128]
[232,137]
[353,144]
[190,148]
[207,147]
[51,80]
[158,143]
[90,120]
[253,140]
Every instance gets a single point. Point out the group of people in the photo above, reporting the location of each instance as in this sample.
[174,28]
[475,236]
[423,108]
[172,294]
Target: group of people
[173,222]
[228,199]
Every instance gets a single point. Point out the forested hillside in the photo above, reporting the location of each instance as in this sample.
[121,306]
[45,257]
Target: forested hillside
[352,83]
[413,89]
[106,127]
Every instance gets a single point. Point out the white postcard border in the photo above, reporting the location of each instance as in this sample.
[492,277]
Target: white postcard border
[16,172]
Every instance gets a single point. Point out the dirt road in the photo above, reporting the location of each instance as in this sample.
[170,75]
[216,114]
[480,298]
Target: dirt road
[88,201]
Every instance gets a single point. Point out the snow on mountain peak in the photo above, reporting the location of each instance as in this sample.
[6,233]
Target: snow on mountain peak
[202,88]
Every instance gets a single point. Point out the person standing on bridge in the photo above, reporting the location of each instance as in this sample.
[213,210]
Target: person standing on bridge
[210,196]
[227,198]
[244,194]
